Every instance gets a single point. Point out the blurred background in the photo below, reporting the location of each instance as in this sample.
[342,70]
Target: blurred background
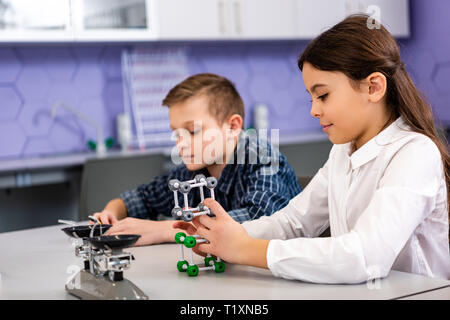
[81,84]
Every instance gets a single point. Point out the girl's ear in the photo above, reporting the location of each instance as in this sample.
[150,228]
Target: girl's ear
[377,84]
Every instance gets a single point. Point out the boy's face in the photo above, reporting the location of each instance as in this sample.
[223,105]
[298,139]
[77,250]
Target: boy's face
[201,140]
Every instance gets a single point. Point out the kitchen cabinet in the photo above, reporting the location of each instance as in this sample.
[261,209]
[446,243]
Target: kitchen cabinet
[316,16]
[394,14]
[153,20]
[35,21]
[262,19]
[114,20]
[326,13]
[226,19]
[193,20]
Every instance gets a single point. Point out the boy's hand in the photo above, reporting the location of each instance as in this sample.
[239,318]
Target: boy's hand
[105,217]
[186,226]
[114,211]
[151,232]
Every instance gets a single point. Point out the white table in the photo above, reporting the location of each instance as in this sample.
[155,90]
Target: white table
[437,294]
[36,263]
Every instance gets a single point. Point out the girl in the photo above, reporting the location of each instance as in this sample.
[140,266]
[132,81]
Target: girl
[384,189]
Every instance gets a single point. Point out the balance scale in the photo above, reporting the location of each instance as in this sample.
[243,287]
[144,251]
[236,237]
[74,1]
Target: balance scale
[104,263]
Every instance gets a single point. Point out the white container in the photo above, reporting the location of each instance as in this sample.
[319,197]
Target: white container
[124,133]
[261,117]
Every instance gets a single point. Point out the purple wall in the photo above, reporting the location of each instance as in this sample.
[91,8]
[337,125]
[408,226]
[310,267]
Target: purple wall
[427,53]
[33,78]
[89,78]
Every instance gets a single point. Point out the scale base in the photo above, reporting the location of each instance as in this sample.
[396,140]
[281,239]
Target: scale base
[86,286]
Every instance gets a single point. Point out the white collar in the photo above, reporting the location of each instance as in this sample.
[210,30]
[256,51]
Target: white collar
[372,148]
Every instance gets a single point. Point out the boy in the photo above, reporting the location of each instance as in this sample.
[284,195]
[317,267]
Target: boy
[206,114]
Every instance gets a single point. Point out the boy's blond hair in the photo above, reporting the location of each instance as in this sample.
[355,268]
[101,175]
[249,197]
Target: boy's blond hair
[223,98]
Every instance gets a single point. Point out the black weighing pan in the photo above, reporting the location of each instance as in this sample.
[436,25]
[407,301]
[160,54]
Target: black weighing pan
[85,231]
[114,242]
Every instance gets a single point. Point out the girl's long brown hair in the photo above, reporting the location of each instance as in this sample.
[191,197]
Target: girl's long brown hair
[356,50]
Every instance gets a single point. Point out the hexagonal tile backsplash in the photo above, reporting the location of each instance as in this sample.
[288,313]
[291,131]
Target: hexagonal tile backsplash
[88,77]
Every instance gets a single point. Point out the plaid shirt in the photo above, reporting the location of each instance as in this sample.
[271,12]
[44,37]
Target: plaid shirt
[248,188]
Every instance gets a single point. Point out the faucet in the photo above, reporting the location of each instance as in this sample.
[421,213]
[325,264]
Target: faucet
[101,147]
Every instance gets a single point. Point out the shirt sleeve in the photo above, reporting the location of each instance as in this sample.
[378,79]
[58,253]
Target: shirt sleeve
[149,200]
[306,215]
[405,196]
[267,192]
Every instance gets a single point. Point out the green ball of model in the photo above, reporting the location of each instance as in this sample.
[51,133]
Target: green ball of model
[219,266]
[178,237]
[192,271]
[208,261]
[181,264]
[190,242]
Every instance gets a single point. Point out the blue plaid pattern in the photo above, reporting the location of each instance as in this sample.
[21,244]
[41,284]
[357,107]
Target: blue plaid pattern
[246,189]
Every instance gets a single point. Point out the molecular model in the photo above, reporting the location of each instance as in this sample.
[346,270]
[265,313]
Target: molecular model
[187,214]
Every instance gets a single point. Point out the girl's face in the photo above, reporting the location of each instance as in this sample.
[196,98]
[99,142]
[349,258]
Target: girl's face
[343,110]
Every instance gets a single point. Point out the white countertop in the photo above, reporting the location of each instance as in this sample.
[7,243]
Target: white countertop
[34,264]
[69,160]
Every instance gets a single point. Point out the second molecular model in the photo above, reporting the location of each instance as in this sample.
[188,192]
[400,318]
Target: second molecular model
[187,214]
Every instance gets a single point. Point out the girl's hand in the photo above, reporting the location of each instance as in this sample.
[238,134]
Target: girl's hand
[191,230]
[228,239]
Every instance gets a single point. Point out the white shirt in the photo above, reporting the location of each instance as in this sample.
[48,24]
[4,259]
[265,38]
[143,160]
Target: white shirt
[385,204]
